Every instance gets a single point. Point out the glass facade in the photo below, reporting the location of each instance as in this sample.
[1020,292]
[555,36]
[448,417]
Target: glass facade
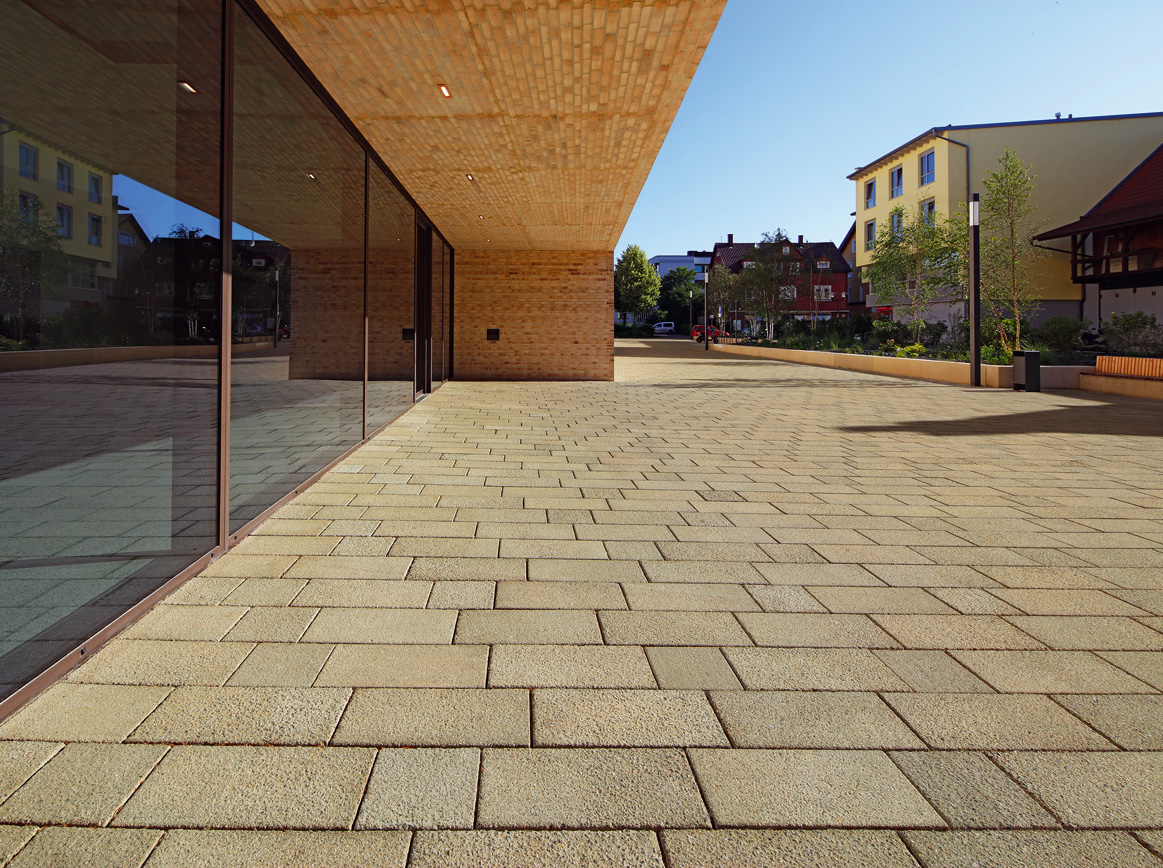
[235,308]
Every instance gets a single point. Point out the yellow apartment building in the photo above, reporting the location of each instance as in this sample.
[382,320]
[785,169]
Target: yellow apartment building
[1076,161]
[78,195]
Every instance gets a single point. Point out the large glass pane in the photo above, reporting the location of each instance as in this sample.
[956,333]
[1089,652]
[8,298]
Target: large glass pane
[446,320]
[438,313]
[391,292]
[109,294]
[297,377]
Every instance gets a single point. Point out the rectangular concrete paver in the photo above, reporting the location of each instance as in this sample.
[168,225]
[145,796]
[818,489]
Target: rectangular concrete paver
[569,666]
[428,788]
[535,849]
[65,847]
[624,718]
[439,717]
[1032,848]
[83,712]
[202,848]
[787,848]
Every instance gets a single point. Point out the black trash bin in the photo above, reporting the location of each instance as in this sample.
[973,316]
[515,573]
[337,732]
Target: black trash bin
[1028,370]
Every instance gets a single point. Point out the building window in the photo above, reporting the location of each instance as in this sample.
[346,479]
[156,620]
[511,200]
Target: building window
[29,161]
[895,221]
[897,182]
[870,193]
[823,291]
[787,293]
[95,230]
[823,265]
[95,191]
[28,207]
[929,211]
[869,234]
[126,239]
[64,221]
[928,168]
[64,176]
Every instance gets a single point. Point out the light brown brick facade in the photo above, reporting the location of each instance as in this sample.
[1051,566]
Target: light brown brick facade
[555,311]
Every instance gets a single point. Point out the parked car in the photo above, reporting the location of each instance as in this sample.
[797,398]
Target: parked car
[664,328]
[285,333]
[716,333]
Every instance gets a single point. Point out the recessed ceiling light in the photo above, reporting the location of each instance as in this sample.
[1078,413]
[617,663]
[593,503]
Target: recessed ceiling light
[187,87]
[444,90]
[482,216]
[468,175]
[309,175]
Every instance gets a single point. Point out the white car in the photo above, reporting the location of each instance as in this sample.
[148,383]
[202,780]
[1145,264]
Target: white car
[664,328]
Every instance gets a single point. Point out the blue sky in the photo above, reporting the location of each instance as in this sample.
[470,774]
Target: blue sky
[792,96]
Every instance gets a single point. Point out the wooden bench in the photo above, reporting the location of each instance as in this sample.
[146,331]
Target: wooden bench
[1125,366]
[1122,375]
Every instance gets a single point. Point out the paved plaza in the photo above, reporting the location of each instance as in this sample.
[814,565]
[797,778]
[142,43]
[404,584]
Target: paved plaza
[720,612]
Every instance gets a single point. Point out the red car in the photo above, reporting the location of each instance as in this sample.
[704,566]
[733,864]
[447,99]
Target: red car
[716,333]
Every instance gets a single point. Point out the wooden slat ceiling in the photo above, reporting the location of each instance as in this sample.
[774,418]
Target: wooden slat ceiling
[558,109]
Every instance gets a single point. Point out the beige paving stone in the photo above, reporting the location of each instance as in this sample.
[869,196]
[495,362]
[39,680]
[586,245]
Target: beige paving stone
[1092,790]
[932,672]
[347,567]
[1029,848]
[560,595]
[702,572]
[265,592]
[292,527]
[1131,722]
[1066,602]
[784,598]
[251,788]
[1093,633]
[19,761]
[157,661]
[1049,672]
[247,566]
[421,788]
[1126,577]
[382,626]
[405,666]
[994,722]
[572,570]
[462,595]
[809,788]
[931,576]
[268,624]
[954,631]
[1045,577]
[632,550]
[186,622]
[203,591]
[351,527]
[973,601]
[467,569]
[543,548]
[442,547]
[63,847]
[627,788]
[692,669]
[1145,665]
[83,712]
[676,596]
[791,719]
[364,546]
[525,531]
[528,627]
[364,593]
[785,848]
[725,551]
[887,600]
[624,532]
[811,669]
[435,718]
[799,630]
[420,528]
[569,666]
[970,792]
[672,628]
[818,574]
[277,664]
[528,849]
[245,715]
[82,785]
[12,838]
[286,545]
[1148,600]
[624,718]
[201,848]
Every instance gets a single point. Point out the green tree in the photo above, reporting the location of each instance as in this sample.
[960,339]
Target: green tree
[775,275]
[914,264]
[33,265]
[723,287]
[636,283]
[1010,263]
[675,294]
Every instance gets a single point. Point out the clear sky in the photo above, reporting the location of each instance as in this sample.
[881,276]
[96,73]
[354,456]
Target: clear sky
[793,95]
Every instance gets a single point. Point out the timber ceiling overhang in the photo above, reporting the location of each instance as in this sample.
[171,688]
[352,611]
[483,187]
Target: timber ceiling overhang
[557,109]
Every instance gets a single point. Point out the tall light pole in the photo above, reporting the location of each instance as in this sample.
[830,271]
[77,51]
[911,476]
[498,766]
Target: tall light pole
[706,313]
[690,312]
[975,291]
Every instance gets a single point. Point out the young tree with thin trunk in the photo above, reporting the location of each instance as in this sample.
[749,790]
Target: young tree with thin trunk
[636,283]
[33,264]
[773,278]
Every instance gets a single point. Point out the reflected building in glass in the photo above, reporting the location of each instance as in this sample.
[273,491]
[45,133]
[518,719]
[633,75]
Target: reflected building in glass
[212,286]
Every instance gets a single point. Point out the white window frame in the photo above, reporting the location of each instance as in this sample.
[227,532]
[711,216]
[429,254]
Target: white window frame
[96,190]
[823,291]
[28,206]
[930,156]
[896,190]
[929,210]
[65,226]
[66,181]
[788,293]
[869,236]
[29,168]
[870,194]
[95,220]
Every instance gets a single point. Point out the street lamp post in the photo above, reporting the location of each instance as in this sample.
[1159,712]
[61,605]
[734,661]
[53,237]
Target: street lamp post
[690,312]
[975,291]
[706,315]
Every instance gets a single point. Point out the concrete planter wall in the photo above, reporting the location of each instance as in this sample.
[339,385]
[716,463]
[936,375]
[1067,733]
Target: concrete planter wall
[955,373]
[32,360]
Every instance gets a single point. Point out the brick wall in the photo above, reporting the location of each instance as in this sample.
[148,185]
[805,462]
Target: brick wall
[554,309]
[327,314]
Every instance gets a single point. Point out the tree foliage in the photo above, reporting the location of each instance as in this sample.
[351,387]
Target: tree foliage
[636,283]
[33,264]
[1010,263]
[913,264]
[776,274]
[675,293]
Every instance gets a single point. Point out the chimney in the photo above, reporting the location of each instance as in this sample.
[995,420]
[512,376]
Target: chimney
[801,241]
[730,238]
